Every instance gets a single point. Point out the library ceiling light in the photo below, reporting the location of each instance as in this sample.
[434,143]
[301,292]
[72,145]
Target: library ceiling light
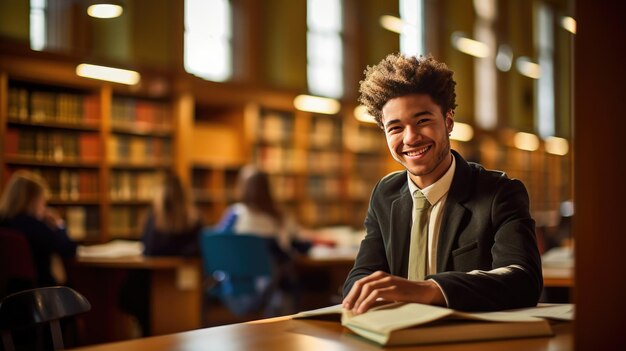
[557,146]
[526,141]
[469,46]
[504,58]
[395,24]
[462,132]
[316,104]
[528,68]
[569,24]
[105,9]
[360,113]
[110,74]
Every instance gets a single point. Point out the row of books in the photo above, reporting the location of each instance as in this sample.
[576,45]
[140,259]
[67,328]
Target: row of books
[319,187]
[325,132]
[274,159]
[323,214]
[276,127]
[132,113]
[50,106]
[324,161]
[67,184]
[139,150]
[284,187]
[126,222]
[82,222]
[366,140]
[359,188]
[55,146]
[135,185]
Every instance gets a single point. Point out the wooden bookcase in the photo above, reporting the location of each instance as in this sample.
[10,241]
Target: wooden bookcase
[103,147]
[100,147]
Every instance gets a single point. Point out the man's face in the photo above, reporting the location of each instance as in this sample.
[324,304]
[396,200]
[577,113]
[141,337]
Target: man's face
[417,136]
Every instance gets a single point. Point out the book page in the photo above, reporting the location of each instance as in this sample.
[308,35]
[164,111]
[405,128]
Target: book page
[562,312]
[330,310]
[395,316]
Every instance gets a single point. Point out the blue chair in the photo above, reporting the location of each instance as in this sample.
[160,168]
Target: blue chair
[241,270]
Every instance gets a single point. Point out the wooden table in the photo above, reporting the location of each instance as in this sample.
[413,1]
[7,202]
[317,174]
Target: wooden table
[286,334]
[558,278]
[175,294]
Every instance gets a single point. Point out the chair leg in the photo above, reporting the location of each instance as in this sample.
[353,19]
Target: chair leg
[7,341]
[57,337]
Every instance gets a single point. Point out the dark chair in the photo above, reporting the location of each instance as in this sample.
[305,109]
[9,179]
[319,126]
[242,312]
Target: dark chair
[37,306]
[17,268]
[240,270]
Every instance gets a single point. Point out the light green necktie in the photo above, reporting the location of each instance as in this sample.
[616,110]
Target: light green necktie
[418,249]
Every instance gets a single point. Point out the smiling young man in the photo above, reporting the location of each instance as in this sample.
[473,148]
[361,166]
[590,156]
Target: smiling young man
[444,231]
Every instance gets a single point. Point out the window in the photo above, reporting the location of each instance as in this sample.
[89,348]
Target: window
[325,48]
[412,34]
[208,39]
[38,24]
[545,113]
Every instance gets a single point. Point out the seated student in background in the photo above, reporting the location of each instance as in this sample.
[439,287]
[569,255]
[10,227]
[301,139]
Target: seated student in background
[23,209]
[444,231]
[173,223]
[256,213]
[171,228]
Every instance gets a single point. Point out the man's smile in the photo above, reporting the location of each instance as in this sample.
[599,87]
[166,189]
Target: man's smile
[417,152]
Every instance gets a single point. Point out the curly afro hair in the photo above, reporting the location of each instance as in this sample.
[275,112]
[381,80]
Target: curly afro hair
[398,75]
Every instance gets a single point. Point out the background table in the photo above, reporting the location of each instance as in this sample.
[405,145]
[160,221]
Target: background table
[175,294]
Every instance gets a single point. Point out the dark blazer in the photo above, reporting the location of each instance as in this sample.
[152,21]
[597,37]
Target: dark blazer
[486,224]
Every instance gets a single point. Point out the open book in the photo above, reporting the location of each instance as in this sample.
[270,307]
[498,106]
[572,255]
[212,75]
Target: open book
[413,323]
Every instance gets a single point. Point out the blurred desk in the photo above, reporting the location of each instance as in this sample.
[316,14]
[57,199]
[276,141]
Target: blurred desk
[284,333]
[322,278]
[558,278]
[175,293]
[558,267]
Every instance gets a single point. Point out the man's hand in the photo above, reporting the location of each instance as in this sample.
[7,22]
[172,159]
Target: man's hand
[381,285]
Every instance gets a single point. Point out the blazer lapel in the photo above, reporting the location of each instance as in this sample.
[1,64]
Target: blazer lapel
[400,234]
[454,211]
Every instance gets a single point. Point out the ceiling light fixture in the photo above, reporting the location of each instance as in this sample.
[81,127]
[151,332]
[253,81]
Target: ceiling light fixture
[360,113]
[109,74]
[526,141]
[469,46]
[316,104]
[528,68]
[569,24]
[462,132]
[105,10]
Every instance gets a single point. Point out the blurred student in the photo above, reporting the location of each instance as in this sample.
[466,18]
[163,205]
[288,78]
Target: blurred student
[171,228]
[257,213]
[23,209]
[173,224]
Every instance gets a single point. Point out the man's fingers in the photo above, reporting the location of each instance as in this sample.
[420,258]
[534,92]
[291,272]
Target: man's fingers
[355,292]
[370,286]
[386,293]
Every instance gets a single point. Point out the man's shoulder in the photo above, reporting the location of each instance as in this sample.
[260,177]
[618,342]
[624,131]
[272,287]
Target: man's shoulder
[485,179]
[393,181]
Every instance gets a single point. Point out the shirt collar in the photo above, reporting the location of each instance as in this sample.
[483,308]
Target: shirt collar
[438,189]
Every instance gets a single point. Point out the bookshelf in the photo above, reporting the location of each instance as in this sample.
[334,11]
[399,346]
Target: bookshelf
[53,131]
[101,148]
[217,150]
[139,152]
